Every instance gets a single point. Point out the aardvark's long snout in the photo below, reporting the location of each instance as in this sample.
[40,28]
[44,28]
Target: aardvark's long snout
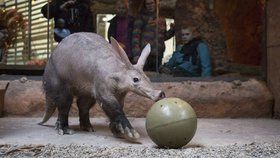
[157,95]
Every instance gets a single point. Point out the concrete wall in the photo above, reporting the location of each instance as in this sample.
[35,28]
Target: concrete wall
[273,51]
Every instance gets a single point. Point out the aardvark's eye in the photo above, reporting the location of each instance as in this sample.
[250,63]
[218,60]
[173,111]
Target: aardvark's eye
[135,80]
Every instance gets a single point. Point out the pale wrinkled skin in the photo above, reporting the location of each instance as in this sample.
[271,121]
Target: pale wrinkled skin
[85,65]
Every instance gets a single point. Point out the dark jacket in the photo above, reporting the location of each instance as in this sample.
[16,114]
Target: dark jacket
[190,51]
[112,32]
[82,21]
[193,59]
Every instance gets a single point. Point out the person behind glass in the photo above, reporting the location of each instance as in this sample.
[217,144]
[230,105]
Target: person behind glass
[192,59]
[148,28]
[60,32]
[75,13]
[121,27]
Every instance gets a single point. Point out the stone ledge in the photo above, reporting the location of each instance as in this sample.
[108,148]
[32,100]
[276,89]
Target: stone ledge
[218,99]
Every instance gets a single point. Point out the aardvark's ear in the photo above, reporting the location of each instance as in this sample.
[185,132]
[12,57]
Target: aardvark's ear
[120,51]
[144,55]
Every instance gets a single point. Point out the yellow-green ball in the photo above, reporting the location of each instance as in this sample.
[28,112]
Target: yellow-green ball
[171,123]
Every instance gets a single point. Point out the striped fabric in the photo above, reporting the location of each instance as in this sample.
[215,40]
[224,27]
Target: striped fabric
[145,31]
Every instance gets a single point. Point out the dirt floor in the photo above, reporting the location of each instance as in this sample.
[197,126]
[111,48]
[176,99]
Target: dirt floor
[22,137]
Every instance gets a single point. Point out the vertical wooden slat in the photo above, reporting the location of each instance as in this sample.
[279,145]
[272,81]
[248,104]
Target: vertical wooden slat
[16,39]
[29,29]
[48,32]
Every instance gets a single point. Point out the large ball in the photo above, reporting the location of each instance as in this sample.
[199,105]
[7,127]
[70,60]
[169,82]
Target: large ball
[171,123]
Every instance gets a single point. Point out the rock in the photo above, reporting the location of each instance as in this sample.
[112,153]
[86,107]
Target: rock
[23,79]
[24,98]
[216,99]
[237,83]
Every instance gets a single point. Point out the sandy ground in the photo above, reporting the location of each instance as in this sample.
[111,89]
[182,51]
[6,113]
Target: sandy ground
[22,137]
